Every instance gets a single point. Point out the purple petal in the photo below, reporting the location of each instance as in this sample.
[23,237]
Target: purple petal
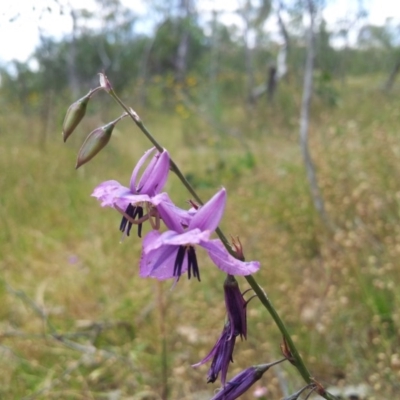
[221,354]
[135,172]
[235,307]
[238,384]
[211,353]
[125,199]
[174,217]
[171,238]
[155,175]
[224,261]
[209,215]
[112,193]
[158,263]
[107,191]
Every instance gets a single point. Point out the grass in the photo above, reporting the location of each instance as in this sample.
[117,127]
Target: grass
[64,271]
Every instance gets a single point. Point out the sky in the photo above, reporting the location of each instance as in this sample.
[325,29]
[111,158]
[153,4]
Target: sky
[20,19]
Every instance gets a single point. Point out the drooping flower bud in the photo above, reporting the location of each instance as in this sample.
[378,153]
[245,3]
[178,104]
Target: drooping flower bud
[243,381]
[221,354]
[235,307]
[74,116]
[95,141]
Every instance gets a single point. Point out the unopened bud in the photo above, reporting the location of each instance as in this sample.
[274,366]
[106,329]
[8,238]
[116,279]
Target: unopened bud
[75,113]
[95,141]
[104,82]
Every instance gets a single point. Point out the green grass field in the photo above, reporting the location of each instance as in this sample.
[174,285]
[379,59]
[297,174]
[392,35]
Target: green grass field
[77,322]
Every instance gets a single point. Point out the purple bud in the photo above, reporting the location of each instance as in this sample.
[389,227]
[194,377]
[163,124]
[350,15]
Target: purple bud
[243,381]
[221,354]
[74,116]
[236,307]
[239,384]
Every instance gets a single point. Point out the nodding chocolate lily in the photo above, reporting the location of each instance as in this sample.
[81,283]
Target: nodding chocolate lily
[236,325]
[235,307]
[243,381]
[137,202]
[222,355]
[172,253]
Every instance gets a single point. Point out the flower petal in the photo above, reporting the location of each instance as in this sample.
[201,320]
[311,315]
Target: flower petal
[221,354]
[135,172]
[158,263]
[106,192]
[227,263]
[171,238]
[209,215]
[155,175]
[112,193]
[174,217]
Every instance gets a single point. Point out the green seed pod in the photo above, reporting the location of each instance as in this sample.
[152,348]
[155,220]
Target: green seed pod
[75,113]
[95,141]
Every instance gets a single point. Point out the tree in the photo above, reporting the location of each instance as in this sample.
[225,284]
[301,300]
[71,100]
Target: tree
[305,115]
[254,16]
[386,37]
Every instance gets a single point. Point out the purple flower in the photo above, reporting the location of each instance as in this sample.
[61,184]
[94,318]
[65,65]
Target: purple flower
[243,381]
[172,253]
[236,307]
[221,354]
[141,195]
[239,384]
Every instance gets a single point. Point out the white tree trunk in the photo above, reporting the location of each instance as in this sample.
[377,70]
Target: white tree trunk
[304,121]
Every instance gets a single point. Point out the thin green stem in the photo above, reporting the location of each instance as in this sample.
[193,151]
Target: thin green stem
[297,359]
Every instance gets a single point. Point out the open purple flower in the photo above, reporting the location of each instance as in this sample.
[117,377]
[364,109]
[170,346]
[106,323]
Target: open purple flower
[172,253]
[141,195]
[221,354]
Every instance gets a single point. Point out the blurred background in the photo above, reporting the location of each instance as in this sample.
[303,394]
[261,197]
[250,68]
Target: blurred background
[293,106]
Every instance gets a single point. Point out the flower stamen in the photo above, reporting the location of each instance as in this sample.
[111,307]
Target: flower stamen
[180,256]
[152,212]
[193,267]
[133,215]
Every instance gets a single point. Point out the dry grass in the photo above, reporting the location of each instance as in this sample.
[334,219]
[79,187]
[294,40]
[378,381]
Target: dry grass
[64,272]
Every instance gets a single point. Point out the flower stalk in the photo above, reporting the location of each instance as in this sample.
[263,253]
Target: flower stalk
[297,360]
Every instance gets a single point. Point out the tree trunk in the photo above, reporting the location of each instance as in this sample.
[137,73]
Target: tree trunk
[304,121]
[182,56]
[249,62]
[392,77]
[184,42]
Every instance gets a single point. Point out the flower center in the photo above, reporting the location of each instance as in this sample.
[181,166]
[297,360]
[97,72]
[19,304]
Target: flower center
[192,266]
[135,212]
